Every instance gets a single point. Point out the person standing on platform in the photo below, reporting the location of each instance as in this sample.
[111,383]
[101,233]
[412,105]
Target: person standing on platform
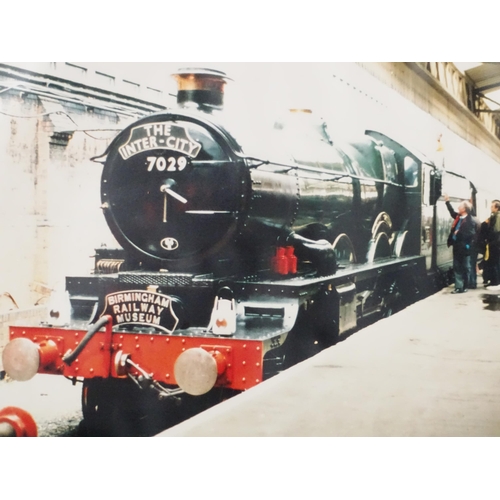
[461,238]
[482,246]
[493,239]
[474,248]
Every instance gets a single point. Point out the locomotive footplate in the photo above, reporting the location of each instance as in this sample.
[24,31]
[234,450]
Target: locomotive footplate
[360,290]
[264,314]
[353,272]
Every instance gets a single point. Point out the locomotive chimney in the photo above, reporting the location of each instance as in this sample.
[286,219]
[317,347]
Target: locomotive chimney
[201,86]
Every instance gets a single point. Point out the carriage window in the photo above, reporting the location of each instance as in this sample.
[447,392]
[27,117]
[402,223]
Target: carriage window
[411,172]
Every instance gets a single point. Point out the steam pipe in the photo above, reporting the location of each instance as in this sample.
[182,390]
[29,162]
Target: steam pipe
[69,358]
[320,252]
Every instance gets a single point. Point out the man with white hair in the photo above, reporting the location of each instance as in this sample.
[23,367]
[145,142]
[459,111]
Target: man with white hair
[461,238]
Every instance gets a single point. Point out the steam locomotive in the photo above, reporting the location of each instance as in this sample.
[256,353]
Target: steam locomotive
[242,253]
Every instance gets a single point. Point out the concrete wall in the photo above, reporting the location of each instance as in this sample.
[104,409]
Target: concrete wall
[51,220]
[46,211]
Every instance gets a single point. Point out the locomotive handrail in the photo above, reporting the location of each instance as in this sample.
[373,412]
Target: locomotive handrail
[317,170]
[210,162]
[292,167]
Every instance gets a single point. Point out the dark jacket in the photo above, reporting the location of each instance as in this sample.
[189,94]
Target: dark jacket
[463,240]
[493,231]
[482,238]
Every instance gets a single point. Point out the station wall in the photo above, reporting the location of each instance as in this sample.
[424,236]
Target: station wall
[50,202]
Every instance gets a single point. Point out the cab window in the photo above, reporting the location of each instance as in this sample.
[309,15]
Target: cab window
[411,172]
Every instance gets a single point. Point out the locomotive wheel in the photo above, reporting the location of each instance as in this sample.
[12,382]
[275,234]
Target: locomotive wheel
[394,301]
[300,345]
[344,249]
[401,293]
[118,408]
[379,248]
[382,224]
[400,249]
[111,407]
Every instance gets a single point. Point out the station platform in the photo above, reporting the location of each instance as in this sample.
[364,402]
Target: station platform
[432,369]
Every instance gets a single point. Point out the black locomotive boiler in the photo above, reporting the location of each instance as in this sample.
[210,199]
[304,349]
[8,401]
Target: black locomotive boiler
[242,253]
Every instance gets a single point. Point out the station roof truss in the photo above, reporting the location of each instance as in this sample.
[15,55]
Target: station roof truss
[474,85]
[486,80]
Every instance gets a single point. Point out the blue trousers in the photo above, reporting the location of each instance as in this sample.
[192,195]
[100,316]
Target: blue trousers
[462,270]
[473,271]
